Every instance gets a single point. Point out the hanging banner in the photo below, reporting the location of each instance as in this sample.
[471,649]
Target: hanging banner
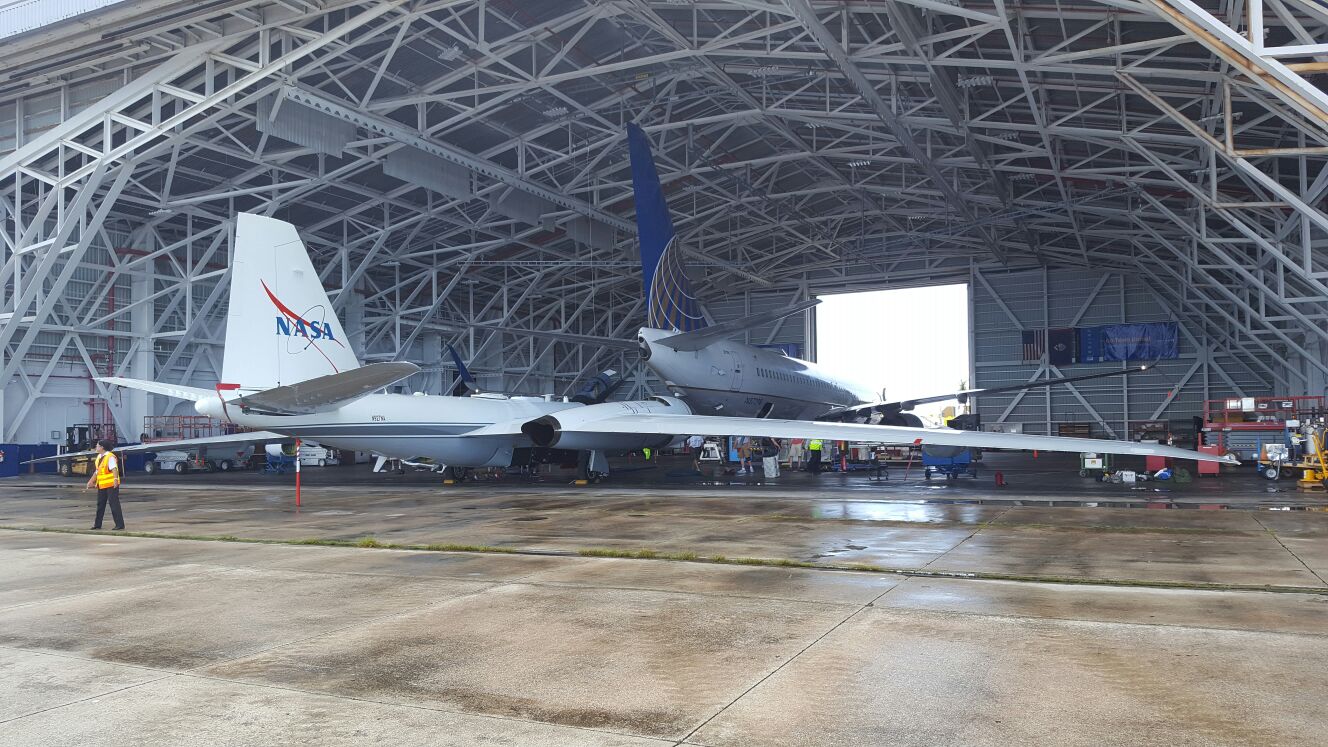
[1141,342]
[1061,346]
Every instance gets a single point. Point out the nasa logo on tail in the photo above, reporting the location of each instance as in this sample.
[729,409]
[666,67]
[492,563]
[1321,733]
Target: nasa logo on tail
[293,325]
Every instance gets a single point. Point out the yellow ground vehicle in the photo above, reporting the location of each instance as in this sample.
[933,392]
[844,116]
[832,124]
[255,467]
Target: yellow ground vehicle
[1276,461]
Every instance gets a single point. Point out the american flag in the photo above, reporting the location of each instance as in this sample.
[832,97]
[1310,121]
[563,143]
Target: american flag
[1035,344]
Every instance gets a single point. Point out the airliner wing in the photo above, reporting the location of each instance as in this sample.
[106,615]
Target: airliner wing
[233,439]
[697,339]
[963,395]
[676,425]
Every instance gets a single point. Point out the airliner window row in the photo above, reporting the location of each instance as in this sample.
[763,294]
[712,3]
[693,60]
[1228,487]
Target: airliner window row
[770,373]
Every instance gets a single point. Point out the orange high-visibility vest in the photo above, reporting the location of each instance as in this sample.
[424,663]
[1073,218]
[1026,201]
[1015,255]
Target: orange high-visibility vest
[108,476]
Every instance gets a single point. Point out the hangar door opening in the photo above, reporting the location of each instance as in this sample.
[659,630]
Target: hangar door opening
[911,342]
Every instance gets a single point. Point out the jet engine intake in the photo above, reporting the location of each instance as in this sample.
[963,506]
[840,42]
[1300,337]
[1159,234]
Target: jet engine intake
[575,428]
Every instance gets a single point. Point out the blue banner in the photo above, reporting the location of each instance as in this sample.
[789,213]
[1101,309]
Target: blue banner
[1129,342]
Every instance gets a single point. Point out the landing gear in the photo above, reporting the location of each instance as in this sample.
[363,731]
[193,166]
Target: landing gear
[453,475]
[591,466]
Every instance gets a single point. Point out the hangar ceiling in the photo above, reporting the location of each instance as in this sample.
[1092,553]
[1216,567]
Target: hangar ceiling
[459,166]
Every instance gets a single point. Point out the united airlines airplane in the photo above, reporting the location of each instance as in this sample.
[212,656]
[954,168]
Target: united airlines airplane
[716,375]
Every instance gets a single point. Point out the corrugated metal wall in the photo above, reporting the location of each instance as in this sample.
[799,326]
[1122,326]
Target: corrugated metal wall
[1002,302]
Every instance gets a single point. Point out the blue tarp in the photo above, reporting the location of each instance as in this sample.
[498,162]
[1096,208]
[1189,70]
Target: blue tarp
[15,454]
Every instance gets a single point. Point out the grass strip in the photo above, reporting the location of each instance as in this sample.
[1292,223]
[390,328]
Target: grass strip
[691,557]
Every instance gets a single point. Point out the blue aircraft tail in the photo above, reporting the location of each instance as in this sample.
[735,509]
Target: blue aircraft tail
[669,300]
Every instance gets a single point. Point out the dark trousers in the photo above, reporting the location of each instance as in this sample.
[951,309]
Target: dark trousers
[113,496]
[814,463]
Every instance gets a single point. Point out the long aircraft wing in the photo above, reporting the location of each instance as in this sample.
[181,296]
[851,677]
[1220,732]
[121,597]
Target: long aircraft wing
[964,394]
[665,424]
[234,439]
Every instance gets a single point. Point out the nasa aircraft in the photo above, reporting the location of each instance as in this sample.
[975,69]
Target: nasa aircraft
[716,375]
[288,370]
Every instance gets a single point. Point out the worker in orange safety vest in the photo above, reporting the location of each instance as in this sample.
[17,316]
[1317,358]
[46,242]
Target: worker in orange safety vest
[106,478]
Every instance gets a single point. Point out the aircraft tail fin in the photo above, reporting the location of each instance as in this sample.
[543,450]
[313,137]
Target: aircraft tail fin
[465,382]
[669,300]
[281,328]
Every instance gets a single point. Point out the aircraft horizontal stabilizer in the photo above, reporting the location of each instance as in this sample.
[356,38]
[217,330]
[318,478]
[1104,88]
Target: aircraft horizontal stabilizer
[697,339]
[644,418]
[327,393]
[177,391]
[233,439]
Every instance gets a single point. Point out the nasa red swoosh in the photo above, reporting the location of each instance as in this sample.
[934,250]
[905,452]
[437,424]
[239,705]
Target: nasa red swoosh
[286,310]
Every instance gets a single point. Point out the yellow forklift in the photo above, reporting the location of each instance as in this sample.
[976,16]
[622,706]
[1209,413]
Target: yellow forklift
[82,437]
[1308,453]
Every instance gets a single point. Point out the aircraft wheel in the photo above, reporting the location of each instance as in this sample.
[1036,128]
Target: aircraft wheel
[1271,472]
[181,468]
[225,465]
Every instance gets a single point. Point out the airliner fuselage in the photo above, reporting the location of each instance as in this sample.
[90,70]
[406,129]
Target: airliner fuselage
[739,380]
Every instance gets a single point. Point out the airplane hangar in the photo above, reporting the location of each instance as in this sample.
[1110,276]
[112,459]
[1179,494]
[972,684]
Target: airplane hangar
[459,173]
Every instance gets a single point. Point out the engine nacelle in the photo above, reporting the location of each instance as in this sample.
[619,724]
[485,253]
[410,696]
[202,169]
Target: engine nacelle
[575,428]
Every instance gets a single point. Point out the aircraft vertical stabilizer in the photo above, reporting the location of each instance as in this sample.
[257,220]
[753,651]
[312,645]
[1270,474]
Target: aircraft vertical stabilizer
[281,328]
[669,299]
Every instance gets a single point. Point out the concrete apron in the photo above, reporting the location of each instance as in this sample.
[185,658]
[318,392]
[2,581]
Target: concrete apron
[122,640]
[1037,542]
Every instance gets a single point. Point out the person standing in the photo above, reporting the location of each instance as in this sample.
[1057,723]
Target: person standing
[694,443]
[106,478]
[744,444]
[770,457]
[814,448]
[795,454]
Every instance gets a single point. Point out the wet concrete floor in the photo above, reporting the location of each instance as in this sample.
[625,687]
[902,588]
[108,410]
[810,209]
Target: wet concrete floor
[131,640]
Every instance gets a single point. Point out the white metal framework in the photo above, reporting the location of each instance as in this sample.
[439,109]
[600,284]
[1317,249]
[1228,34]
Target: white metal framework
[459,168]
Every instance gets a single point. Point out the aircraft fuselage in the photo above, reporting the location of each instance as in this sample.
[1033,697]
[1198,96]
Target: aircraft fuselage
[410,426]
[739,380]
